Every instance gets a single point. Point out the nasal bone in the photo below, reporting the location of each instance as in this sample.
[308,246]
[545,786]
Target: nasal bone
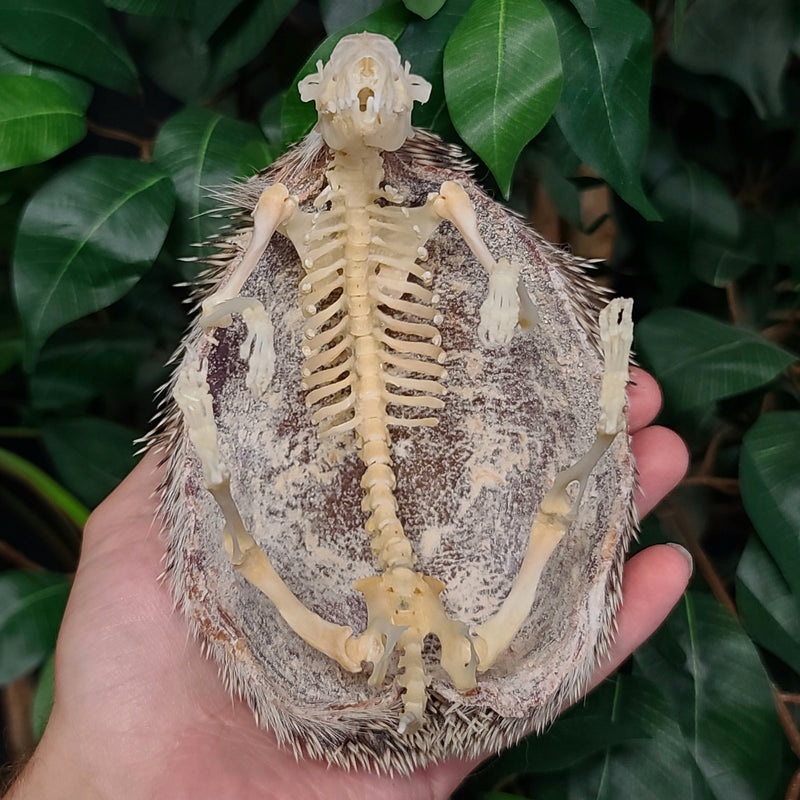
[366,66]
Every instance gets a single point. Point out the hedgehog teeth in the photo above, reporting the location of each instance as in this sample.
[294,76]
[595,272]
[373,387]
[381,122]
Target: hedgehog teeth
[374,462]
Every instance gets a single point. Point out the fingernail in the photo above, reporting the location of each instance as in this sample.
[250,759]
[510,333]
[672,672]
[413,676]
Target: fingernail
[685,553]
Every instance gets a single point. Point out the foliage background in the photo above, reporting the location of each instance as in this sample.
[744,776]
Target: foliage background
[664,136]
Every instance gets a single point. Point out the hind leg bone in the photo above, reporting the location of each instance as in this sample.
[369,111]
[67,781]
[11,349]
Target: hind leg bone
[557,510]
[192,395]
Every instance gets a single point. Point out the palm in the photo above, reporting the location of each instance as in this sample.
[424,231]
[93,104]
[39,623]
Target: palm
[136,697]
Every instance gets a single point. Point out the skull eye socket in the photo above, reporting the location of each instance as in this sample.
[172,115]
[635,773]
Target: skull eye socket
[364,95]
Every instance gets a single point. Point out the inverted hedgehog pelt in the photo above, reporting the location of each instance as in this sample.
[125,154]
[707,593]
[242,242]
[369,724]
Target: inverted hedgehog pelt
[399,485]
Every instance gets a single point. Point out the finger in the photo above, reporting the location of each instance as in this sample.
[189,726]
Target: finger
[652,584]
[661,462]
[644,397]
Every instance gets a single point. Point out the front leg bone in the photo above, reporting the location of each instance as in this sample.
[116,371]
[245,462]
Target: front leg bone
[556,510]
[274,208]
[193,397]
[500,312]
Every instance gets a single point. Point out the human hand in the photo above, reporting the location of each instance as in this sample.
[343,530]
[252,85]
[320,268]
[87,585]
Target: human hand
[140,713]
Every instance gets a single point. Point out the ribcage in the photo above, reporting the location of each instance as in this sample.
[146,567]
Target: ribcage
[402,325]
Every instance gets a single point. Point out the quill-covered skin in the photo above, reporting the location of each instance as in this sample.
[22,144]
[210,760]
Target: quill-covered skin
[513,417]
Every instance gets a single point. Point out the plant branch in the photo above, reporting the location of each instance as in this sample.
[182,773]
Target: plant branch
[672,514]
[144,144]
[16,558]
[724,485]
[793,790]
[734,306]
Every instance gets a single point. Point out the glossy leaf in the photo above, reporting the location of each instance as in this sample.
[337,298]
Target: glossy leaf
[38,119]
[656,766]
[75,257]
[31,607]
[710,675]
[12,64]
[590,12]
[603,111]
[713,30]
[422,45]
[173,54]
[692,201]
[297,117]
[43,697]
[42,484]
[208,15]
[91,455]
[769,610]
[245,33]
[507,55]
[269,119]
[336,14]
[201,150]
[582,731]
[72,373]
[75,34]
[700,360]
[769,470]
[153,8]
[424,8]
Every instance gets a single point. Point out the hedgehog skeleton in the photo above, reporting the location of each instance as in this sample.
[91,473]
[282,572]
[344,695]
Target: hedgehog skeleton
[371,341]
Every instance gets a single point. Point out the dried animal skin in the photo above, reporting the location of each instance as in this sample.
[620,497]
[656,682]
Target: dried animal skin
[399,486]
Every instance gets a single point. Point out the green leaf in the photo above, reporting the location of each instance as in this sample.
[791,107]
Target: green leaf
[208,15]
[11,64]
[603,111]
[244,34]
[590,13]
[269,119]
[200,149]
[43,697]
[693,202]
[91,456]
[768,470]
[173,54]
[31,607]
[422,45]
[254,157]
[11,350]
[336,14]
[85,238]
[44,485]
[297,117]
[153,8]
[73,373]
[502,79]
[709,672]
[74,34]
[583,730]
[38,119]
[747,41]
[424,8]
[656,766]
[769,610]
[699,360]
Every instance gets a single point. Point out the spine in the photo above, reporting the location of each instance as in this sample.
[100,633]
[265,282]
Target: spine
[389,543]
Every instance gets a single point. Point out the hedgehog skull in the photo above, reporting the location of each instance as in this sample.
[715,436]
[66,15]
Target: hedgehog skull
[364,95]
